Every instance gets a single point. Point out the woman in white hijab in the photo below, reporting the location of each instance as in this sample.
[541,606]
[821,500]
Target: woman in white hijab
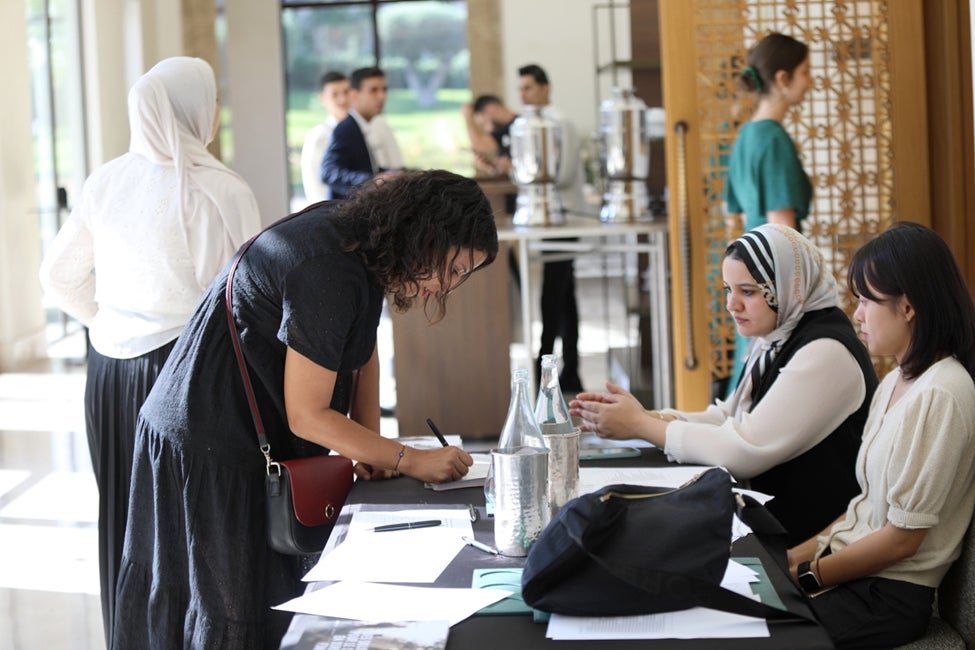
[792,427]
[151,230]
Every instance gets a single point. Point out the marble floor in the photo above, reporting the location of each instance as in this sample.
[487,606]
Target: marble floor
[48,499]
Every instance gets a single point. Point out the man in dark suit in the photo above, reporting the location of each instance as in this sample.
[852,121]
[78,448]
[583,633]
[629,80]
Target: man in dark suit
[363,146]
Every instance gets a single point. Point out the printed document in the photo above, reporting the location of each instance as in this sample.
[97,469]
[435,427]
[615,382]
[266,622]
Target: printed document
[694,623]
[419,555]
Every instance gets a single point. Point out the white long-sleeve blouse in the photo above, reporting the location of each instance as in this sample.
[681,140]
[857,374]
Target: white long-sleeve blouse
[128,266]
[818,388]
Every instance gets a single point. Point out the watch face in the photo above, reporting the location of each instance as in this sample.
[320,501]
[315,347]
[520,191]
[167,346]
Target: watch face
[808,581]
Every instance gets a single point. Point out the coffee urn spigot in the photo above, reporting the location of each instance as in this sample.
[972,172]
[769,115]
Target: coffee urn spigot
[535,156]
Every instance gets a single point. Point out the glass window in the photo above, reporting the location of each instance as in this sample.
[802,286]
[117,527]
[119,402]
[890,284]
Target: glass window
[54,53]
[421,45]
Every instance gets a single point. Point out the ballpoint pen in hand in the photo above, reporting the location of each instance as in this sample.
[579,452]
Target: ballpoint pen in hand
[436,432]
[407,525]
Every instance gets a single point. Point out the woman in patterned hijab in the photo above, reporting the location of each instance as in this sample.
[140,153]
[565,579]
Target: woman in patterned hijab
[800,404]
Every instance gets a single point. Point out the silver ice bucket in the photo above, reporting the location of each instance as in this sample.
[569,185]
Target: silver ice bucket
[563,467]
[521,509]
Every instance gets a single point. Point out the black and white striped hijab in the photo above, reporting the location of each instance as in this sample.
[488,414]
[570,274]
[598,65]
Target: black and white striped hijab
[794,279]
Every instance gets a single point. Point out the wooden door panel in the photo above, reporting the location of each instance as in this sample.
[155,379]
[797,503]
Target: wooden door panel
[860,132]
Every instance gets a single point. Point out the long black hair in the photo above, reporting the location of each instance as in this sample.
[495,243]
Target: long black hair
[912,260]
[414,227]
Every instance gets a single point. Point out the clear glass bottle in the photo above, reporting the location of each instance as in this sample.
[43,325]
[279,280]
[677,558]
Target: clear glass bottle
[520,429]
[560,434]
[551,411]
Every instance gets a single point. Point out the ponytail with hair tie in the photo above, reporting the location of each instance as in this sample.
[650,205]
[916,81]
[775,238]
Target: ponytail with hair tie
[752,74]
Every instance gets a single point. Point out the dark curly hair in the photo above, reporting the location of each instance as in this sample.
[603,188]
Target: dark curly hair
[413,227]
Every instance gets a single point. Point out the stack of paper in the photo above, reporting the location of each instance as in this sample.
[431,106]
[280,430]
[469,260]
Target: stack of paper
[416,555]
[695,623]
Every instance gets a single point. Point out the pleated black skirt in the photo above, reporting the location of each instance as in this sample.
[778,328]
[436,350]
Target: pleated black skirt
[114,393]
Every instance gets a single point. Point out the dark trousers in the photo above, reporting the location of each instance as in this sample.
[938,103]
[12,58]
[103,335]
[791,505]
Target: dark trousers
[114,392]
[874,612]
[560,314]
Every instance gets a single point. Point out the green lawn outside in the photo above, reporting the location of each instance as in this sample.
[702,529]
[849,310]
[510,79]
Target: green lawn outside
[430,138]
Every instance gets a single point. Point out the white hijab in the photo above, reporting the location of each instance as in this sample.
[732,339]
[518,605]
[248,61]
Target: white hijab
[794,278]
[171,114]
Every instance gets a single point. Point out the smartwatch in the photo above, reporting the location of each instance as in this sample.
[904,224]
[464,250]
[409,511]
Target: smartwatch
[808,581]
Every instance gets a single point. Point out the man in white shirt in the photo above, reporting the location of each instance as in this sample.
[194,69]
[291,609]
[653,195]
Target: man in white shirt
[362,146]
[560,315]
[334,96]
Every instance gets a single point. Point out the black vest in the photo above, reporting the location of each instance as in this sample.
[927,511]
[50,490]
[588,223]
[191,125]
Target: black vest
[813,489]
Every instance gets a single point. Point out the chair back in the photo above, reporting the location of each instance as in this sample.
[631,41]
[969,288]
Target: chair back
[956,595]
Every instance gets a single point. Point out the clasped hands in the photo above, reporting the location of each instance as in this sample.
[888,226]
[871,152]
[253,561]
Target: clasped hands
[616,414]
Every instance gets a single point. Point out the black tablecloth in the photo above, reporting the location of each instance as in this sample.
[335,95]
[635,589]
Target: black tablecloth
[520,632]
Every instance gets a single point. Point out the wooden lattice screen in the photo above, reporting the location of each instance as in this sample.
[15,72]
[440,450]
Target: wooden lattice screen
[842,129]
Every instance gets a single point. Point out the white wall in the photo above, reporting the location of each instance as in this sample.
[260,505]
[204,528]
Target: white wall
[558,35]
[21,317]
[255,76]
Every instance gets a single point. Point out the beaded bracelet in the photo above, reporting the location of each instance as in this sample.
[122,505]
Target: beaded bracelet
[398,460]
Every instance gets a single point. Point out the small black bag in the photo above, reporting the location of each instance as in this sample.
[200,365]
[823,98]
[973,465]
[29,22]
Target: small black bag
[626,550]
[304,497]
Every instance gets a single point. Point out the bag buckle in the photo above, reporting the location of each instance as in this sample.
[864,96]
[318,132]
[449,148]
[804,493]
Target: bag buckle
[275,465]
[266,450]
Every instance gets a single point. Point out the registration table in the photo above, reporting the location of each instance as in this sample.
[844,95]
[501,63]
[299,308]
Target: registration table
[519,632]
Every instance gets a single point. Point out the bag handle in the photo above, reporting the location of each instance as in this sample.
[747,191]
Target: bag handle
[238,351]
[239,354]
[705,593]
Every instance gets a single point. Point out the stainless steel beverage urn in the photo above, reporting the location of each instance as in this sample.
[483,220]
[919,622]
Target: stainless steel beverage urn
[625,150]
[535,156]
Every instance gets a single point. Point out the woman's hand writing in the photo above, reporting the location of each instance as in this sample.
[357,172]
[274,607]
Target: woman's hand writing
[436,465]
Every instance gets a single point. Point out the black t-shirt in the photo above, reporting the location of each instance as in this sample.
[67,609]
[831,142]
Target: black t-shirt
[294,288]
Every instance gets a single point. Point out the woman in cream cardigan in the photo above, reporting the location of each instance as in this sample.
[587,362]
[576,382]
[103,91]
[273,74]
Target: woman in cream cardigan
[875,570]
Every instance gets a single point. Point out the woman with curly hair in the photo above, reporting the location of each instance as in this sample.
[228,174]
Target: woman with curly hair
[197,570]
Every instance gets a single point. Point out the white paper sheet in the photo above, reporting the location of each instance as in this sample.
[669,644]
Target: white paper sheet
[419,555]
[430,442]
[694,623]
[475,476]
[363,601]
[592,440]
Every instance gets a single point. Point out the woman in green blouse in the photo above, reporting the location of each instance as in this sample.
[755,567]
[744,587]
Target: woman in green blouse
[766,182]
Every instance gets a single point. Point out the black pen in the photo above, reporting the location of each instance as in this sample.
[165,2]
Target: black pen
[436,432]
[407,525]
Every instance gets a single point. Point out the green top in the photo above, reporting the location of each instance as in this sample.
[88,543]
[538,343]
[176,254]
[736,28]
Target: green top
[765,174]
